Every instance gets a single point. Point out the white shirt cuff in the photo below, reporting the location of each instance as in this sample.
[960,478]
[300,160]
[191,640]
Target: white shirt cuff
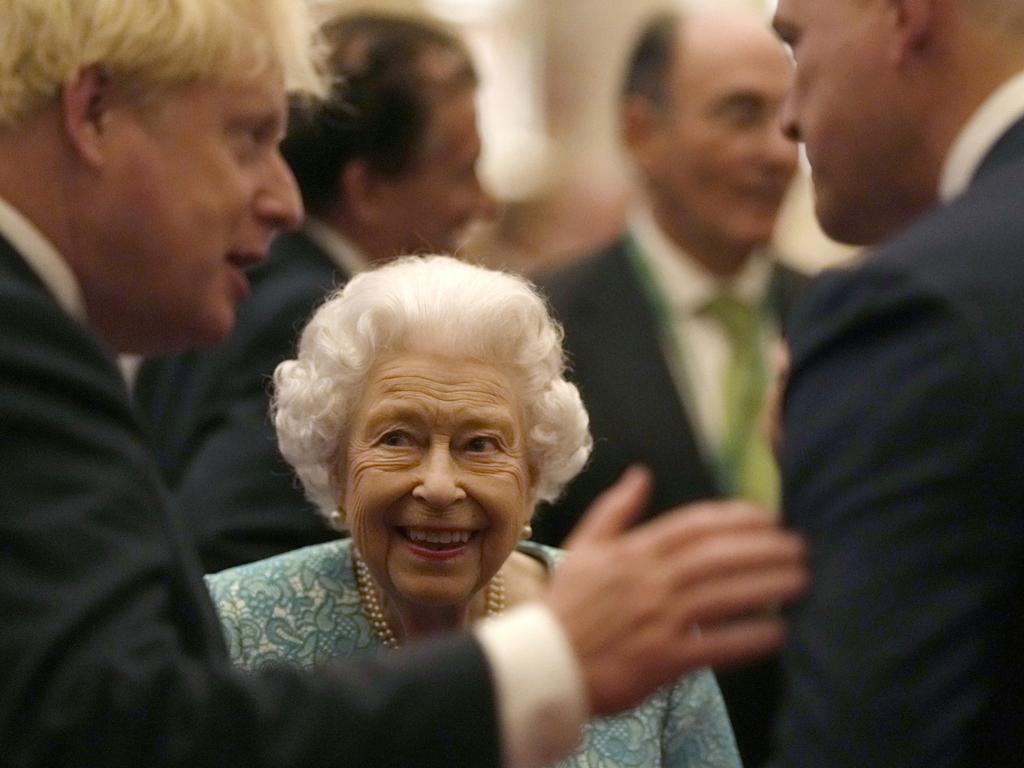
[541,701]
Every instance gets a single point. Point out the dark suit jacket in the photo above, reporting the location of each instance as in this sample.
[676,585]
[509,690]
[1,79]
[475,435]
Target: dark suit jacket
[110,652]
[208,409]
[613,342]
[904,466]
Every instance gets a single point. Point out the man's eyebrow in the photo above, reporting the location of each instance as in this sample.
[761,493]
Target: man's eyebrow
[739,98]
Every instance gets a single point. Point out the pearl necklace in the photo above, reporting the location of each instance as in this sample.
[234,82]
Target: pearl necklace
[494,600]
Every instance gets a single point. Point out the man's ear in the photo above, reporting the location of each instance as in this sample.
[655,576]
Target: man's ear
[360,187]
[86,100]
[641,133]
[912,24]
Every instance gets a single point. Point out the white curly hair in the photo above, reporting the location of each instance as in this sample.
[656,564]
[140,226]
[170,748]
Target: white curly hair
[432,304]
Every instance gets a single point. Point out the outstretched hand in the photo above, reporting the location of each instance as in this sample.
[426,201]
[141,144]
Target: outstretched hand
[643,606]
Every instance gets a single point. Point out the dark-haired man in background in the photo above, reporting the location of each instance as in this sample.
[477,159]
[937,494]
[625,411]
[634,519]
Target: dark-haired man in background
[386,166]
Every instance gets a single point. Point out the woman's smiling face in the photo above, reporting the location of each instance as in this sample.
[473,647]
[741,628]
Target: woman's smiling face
[436,483]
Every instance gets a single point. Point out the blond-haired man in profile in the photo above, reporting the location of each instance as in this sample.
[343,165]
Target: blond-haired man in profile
[386,166]
[139,175]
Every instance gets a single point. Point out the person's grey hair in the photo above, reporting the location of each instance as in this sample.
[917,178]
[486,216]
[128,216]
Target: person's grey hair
[427,304]
[149,47]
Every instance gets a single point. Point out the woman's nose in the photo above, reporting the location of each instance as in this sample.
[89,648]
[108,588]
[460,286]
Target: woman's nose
[438,485]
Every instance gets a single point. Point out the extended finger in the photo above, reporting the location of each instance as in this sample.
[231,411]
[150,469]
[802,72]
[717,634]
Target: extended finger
[684,526]
[728,552]
[741,593]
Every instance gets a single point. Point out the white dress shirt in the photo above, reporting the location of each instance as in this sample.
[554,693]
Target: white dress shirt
[44,259]
[345,254]
[1003,108]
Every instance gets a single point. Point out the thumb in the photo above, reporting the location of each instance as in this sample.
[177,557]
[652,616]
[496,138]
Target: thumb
[616,507]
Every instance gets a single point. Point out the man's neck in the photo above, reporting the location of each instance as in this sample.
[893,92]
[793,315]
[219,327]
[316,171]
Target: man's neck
[372,242]
[967,91]
[34,203]
[723,260]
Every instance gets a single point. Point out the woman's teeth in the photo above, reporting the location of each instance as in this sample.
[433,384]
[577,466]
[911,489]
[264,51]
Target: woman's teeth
[437,537]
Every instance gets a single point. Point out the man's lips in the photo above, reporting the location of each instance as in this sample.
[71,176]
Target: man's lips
[242,261]
[245,259]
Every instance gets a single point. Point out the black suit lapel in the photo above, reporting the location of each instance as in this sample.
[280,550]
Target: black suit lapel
[17,267]
[785,289]
[16,271]
[635,390]
[1009,148]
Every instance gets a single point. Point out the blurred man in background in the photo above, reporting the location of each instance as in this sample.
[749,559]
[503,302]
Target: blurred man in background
[670,329]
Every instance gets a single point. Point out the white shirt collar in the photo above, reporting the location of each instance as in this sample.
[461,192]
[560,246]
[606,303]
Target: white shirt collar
[685,284]
[1001,109]
[345,254]
[44,259]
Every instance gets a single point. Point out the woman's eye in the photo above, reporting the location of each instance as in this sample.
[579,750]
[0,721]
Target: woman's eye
[481,444]
[395,439]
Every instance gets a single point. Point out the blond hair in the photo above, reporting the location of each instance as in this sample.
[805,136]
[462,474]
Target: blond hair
[152,46]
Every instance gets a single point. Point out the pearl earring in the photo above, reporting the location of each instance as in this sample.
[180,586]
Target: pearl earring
[337,518]
[527,532]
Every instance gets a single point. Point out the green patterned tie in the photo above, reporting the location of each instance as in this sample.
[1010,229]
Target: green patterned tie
[748,467]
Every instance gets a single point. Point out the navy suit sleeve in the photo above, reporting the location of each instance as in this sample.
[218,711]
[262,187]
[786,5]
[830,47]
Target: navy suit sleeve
[893,468]
[110,654]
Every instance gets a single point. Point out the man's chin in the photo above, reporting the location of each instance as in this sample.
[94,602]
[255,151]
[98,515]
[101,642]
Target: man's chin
[203,332]
[213,333]
[850,225]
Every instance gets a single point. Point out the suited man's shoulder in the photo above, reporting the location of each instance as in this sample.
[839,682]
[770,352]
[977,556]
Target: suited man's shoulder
[967,254]
[296,277]
[39,336]
[584,277]
[788,279]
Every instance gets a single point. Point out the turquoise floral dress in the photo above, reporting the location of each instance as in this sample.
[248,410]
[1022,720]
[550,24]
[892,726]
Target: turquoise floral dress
[303,608]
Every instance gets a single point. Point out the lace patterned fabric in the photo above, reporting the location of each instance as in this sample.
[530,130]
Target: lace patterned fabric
[303,608]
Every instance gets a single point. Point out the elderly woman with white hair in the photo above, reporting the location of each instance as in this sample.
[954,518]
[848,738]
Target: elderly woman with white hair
[426,414]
